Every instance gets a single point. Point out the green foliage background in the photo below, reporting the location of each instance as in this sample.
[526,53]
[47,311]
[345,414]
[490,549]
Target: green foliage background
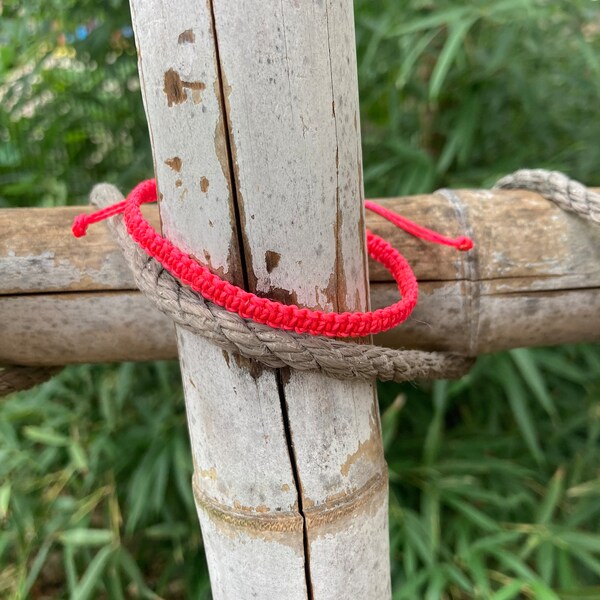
[495,479]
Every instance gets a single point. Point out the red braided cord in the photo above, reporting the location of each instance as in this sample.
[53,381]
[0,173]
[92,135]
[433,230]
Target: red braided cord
[462,243]
[262,310]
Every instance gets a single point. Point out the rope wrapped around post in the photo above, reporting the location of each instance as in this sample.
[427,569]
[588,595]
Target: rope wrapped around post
[277,348]
[272,347]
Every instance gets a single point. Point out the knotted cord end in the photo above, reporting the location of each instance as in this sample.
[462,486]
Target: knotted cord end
[82,222]
[80,225]
[463,243]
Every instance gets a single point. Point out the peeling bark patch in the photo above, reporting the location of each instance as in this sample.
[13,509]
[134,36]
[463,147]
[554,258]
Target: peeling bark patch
[208,473]
[175,163]
[186,37]
[197,95]
[272,259]
[370,449]
[204,184]
[174,88]
[280,295]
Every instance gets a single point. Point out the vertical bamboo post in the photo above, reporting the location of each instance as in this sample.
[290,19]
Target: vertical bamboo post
[253,114]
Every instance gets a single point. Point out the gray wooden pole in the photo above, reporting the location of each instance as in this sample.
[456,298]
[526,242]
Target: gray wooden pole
[253,114]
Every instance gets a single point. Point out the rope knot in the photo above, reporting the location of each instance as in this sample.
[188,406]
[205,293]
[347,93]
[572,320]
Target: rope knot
[463,243]
[80,225]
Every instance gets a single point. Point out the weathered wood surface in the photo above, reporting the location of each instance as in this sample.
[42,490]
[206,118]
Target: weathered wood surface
[253,114]
[532,279]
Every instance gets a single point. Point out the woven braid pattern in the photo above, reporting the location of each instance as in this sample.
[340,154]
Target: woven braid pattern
[259,309]
[272,347]
[16,379]
[567,193]
[277,348]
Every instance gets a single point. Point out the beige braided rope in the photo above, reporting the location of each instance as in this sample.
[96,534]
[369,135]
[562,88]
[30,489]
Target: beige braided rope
[271,347]
[277,348]
[15,379]
[567,193]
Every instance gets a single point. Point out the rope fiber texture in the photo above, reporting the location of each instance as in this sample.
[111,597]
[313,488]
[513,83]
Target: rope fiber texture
[278,348]
[567,193]
[17,378]
[264,310]
[272,347]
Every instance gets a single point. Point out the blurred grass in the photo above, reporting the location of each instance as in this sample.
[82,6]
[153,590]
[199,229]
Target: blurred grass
[495,479]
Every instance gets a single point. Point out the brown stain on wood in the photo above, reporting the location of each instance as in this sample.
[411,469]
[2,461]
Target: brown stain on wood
[174,163]
[280,295]
[220,271]
[204,183]
[286,375]
[226,357]
[186,37]
[369,449]
[175,88]
[252,367]
[220,144]
[272,259]
[332,516]
[341,301]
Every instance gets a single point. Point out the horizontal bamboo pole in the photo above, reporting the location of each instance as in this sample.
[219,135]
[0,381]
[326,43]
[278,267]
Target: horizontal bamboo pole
[533,279]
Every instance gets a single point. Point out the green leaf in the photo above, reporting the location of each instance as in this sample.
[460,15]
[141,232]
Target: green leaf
[439,18]
[552,497]
[474,515]
[437,585]
[78,457]
[588,559]
[514,564]
[520,409]
[130,568]
[114,586]
[390,420]
[509,591]
[412,56]
[418,536]
[545,560]
[70,569]
[93,574]
[36,566]
[495,540]
[436,427]
[580,540]
[5,490]
[86,537]
[525,361]
[410,589]
[46,436]
[456,36]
